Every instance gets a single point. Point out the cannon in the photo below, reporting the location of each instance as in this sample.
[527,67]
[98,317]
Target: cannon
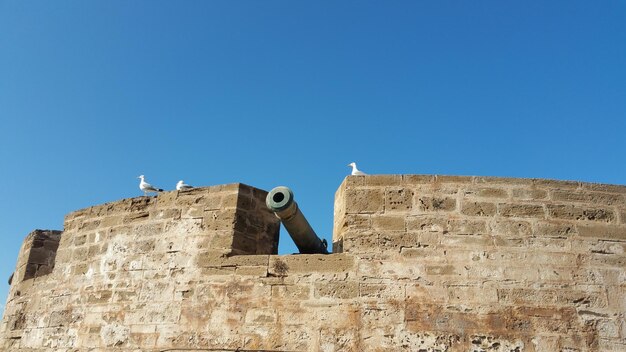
[280,201]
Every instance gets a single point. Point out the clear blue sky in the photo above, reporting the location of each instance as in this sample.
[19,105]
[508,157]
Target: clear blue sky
[269,93]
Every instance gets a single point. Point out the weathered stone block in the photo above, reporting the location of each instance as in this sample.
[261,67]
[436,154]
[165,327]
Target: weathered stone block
[152,291]
[442,270]
[558,259]
[364,201]
[96,297]
[135,217]
[111,220]
[467,227]
[437,189]
[165,214]
[89,225]
[120,231]
[511,228]
[291,292]
[478,208]
[384,316]
[196,212]
[78,214]
[366,242]
[218,220]
[229,201]
[465,294]
[356,222]
[467,241]
[247,203]
[424,254]
[490,180]
[557,275]
[417,179]
[620,189]
[214,259]
[108,209]
[622,216]
[388,223]
[243,244]
[453,179]
[37,255]
[80,239]
[43,270]
[565,296]
[579,196]
[310,263]
[521,210]
[510,241]
[550,243]
[486,192]
[261,316]
[337,290]
[398,199]
[140,204]
[571,212]
[431,318]
[147,229]
[435,204]
[198,197]
[555,229]
[398,241]
[529,194]
[556,184]
[381,291]
[211,271]
[40,256]
[427,223]
[523,274]
[606,232]
[381,180]
[603,260]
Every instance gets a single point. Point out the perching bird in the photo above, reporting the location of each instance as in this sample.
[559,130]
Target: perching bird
[355,171]
[182,186]
[146,187]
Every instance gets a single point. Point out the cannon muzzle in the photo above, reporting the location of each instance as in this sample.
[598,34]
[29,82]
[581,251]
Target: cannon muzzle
[280,201]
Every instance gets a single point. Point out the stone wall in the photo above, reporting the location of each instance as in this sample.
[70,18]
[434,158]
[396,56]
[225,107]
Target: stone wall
[493,263]
[122,258]
[423,263]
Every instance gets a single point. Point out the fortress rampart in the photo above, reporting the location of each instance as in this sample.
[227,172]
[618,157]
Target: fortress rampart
[420,263]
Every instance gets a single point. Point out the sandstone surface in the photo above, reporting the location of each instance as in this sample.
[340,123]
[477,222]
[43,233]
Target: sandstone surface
[420,263]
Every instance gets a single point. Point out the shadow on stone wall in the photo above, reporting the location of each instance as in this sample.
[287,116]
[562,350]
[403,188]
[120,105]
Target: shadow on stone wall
[38,254]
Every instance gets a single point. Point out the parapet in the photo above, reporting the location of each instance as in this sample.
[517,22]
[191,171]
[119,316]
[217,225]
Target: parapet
[420,263]
[231,219]
[400,213]
[218,221]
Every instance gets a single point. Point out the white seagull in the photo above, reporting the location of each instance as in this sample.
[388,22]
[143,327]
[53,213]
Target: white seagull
[355,171]
[146,187]
[182,186]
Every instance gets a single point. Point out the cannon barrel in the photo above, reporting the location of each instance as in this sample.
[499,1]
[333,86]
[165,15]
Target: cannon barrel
[280,201]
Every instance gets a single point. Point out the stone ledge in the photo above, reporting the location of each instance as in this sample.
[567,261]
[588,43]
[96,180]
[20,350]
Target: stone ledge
[375,181]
